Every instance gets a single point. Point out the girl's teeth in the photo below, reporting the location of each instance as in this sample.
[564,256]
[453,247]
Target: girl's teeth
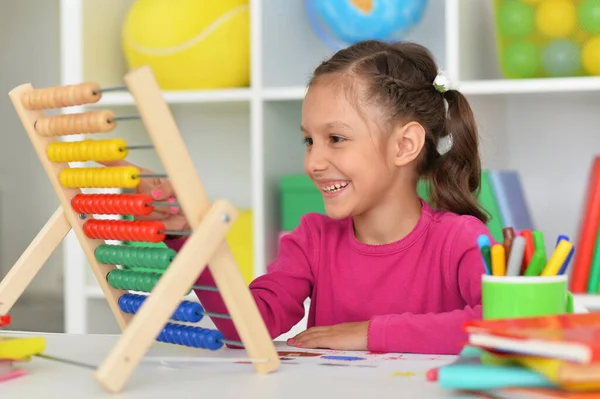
[336,187]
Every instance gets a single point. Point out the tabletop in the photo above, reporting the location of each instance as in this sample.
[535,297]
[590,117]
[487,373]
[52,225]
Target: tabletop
[174,370]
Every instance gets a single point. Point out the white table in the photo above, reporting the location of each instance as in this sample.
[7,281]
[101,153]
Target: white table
[402,377]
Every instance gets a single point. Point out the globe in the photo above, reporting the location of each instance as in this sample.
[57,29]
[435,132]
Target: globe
[339,23]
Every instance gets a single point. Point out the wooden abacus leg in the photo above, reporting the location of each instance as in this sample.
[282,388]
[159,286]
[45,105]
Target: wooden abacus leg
[31,261]
[143,329]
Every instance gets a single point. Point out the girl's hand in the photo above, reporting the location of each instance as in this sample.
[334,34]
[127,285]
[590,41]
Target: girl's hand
[344,336]
[160,190]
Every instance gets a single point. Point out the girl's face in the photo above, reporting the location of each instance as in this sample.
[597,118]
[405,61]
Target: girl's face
[347,157]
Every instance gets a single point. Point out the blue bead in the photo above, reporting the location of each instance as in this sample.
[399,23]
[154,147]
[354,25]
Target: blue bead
[213,340]
[123,303]
[195,312]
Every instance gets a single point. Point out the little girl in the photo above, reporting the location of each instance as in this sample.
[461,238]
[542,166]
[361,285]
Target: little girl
[385,270]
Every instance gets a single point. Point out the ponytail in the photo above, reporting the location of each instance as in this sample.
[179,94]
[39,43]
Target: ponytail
[455,176]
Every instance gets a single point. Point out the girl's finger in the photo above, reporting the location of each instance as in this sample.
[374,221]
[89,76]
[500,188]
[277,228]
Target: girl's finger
[176,223]
[162,191]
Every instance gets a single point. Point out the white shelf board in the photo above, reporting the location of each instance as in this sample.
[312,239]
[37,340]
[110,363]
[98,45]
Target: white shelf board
[529,86]
[284,93]
[592,302]
[180,97]
[95,292]
[477,87]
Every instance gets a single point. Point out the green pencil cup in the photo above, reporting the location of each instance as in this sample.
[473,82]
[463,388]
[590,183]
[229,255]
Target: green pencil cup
[505,297]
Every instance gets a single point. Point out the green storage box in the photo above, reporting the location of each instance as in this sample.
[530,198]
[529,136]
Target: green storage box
[298,196]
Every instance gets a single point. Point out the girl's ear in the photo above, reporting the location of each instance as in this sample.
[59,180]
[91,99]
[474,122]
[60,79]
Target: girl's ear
[407,140]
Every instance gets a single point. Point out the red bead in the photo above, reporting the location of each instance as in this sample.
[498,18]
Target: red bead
[125,230]
[113,204]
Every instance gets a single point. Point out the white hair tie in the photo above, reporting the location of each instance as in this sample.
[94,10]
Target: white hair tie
[442,83]
[444,144]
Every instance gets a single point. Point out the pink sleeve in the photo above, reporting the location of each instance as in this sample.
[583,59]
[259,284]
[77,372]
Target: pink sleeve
[420,333]
[279,294]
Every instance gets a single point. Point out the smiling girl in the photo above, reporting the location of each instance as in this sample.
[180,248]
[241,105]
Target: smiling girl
[385,270]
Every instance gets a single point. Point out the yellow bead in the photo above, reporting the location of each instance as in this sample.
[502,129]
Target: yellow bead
[87,150]
[590,56]
[112,177]
[556,18]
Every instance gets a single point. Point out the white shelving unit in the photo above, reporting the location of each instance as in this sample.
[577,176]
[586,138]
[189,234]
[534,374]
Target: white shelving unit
[242,140]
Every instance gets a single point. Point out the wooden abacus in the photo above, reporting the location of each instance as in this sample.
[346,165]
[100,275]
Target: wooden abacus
[143,319]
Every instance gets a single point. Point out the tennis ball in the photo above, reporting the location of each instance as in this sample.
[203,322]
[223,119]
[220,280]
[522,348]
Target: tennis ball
[190,44]
[521,60]
[515,19]
[588,14]
[590,56]
[561,57]
[556,18]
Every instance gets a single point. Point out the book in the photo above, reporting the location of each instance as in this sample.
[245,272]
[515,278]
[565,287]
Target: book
[510,197]
[588,229]
[459,374]
[571,337]
[566,375]
[14,348]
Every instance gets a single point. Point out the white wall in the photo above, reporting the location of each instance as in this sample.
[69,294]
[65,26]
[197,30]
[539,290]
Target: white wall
[29,48]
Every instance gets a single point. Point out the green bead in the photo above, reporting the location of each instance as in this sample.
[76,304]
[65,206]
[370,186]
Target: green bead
[130,257]
[130,280]
[521,60]
[515,19]
[588,15]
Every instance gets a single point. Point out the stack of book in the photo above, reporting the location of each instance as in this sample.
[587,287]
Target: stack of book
[535,357]
[14,350]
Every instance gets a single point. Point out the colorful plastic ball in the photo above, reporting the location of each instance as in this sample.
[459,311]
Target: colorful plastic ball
[515,19]
[532,1]
[590,56]
[561,57]
[521,60]
[588,14]
[556,18]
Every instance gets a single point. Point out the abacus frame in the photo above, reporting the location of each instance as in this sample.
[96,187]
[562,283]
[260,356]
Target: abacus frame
[205,247]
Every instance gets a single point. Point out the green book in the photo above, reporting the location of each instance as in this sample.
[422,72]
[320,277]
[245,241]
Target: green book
[487,200]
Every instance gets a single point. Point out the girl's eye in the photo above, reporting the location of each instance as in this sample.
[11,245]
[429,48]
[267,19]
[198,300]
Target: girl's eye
[337,139]
[307,141]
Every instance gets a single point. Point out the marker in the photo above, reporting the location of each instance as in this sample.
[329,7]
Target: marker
[486,252]
[565,265]
[536,265]
[483,241]
[498,260]
[558,258]
[538,240]
[529,249]
[509,235]
[515,259]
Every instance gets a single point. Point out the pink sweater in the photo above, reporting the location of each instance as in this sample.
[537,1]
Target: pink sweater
[416,293]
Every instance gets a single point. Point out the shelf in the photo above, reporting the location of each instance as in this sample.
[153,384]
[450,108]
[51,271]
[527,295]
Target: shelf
[530,86]
[284,93]
[95,292]
[181,97]
[478,87]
